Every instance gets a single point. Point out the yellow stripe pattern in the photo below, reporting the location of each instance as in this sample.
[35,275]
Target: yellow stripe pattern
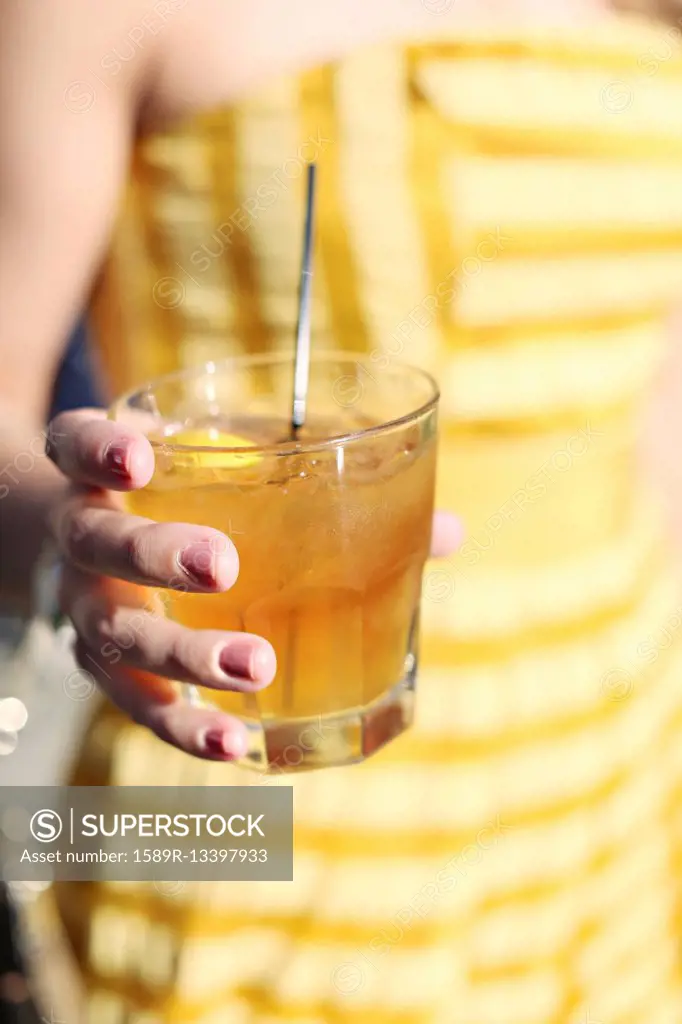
[508,213]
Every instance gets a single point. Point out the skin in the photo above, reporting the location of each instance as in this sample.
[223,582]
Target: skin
[61,175]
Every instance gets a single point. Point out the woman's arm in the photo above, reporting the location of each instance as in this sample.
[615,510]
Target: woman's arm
[62,162]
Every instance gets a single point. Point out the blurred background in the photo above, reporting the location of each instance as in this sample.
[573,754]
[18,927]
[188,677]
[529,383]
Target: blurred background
[546,182]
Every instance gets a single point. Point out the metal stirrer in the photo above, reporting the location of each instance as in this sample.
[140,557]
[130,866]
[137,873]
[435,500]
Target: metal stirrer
[302,358]
[301,376]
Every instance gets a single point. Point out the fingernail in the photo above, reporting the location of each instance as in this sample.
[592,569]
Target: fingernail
[214,741]
[197,560]
[238,660]
[217,742]
[116,459]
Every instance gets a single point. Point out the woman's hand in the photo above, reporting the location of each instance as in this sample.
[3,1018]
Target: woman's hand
[110,556]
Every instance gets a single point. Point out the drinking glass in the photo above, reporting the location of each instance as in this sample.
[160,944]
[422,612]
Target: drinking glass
[332,526]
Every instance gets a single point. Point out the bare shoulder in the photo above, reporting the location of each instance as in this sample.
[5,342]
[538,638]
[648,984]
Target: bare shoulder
[73,43]
[217,51]
[181,56]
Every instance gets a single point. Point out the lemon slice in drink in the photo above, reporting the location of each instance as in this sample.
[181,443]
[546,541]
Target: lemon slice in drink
[211,437]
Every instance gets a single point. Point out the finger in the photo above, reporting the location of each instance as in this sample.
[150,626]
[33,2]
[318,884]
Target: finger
[76,583]
[90,449]
[447,535]
[138,635]
[156,704]
[176,556]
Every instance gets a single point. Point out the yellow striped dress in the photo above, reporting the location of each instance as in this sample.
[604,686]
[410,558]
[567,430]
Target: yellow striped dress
[508,213]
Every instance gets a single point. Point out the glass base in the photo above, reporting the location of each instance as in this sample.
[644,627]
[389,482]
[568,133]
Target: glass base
[325,741]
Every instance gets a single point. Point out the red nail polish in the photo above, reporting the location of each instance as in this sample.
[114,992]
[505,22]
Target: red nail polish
[116,459]
[231,748]
[198,560]
[214,741]
[237,660]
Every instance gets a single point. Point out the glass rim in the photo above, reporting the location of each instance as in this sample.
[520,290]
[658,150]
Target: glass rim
[276,358]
